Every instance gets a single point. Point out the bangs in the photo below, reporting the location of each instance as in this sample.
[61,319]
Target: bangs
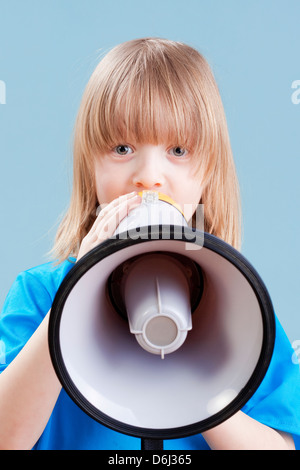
[150,112]
[149,98]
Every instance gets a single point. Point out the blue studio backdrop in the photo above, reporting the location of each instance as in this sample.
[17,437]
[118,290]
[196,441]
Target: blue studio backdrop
[48,50]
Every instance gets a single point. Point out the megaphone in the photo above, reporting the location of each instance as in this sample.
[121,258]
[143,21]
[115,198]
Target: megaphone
[161,331]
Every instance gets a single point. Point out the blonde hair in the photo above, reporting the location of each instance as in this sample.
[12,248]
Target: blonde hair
[153,90]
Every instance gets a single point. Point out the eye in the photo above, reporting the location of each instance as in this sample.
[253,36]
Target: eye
[178,151]
[123,150]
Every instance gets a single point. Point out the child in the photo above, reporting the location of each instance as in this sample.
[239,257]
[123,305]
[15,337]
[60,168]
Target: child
[150,118]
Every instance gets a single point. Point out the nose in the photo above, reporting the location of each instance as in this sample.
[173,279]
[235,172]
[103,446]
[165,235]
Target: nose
[148,172]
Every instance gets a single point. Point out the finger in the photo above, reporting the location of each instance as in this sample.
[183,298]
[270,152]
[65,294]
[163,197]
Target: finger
[111,220]
[119,200]
[105,226]
[107,207]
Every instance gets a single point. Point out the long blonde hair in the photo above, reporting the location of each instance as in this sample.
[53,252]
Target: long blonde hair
[153,90]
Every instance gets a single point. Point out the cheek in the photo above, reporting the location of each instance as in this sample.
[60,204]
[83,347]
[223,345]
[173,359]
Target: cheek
[189,198]
[189,209]
[106,191]
[106,183]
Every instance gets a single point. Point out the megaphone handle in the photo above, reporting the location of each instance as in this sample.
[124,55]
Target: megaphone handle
[152,444]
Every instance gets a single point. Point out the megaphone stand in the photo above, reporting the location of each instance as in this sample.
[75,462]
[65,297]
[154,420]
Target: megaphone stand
[112,368]
[152,444]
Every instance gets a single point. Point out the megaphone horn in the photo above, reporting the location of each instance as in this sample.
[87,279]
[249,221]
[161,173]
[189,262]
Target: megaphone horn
[158,291]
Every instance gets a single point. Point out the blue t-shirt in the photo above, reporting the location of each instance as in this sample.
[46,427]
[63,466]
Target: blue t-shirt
[276,403]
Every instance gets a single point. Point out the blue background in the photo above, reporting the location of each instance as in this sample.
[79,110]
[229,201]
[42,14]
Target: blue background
[48,49]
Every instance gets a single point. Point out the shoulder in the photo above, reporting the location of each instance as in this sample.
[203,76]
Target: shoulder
[276,402]
[39,284]
[50,274]
[28,301]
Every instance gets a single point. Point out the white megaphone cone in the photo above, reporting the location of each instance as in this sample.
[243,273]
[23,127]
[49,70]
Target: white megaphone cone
[159,288]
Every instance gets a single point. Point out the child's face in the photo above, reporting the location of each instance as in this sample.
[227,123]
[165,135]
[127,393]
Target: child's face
[169,170]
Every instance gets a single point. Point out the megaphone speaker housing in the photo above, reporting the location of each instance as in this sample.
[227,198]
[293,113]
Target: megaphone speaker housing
[216,368]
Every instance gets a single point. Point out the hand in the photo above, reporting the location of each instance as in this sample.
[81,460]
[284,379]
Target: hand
[108,220]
